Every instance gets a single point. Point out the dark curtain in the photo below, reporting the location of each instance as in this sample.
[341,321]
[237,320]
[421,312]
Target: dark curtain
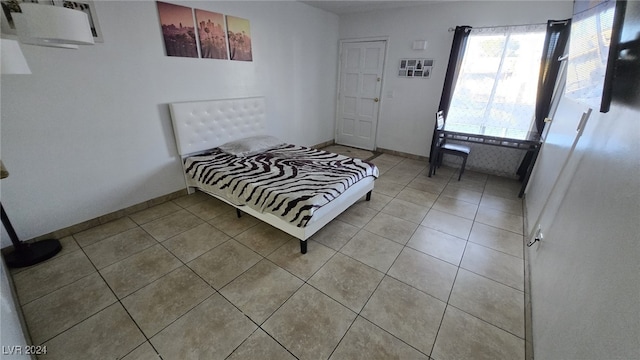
[458,47]
[554,47]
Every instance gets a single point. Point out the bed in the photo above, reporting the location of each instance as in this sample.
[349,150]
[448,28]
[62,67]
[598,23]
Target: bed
[275,185]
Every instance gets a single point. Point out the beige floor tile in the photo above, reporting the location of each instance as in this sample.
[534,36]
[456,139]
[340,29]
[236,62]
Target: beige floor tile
[392,159]
[373,250]
[398,177]
[382,165]
[357,215]
[410,166]
[163,301]
[465,337]
[143,352]
[348,281]
[391,227]
[424,272]
[406,210]
[422,198]
[195,242]
[497,239]
[448,223]
[377,201]
[387,187]
[191,199]
[469,181]
[46,277]
[109,334]
[456,207]
[501,220]
[56,312]
[512,206]
[212,330]
[410,315]
[224,263]
[171,225]
[310,324]
[210,208]
[462,194]
[289,257]
[260,346]
[232,225]
[414,165]
[134,272]
[438,244]
[490,301]
[154,212]
[495,265]
[95,234]
[261,290]
[335,234]
[263,238]
[366,341]
[502,187]
[433,185]
[118,247]
[445,171]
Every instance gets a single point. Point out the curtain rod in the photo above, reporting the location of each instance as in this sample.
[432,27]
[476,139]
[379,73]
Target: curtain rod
[563,22]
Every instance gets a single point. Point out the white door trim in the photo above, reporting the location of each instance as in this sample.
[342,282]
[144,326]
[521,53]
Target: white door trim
[385,39]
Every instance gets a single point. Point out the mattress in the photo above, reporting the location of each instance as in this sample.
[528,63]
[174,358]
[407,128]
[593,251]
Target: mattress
[289,181]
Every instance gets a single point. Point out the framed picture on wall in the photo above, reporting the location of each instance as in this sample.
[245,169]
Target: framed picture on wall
[178,30]
[87,7]
[415,68]
[212,35]
[239,36]
[13,6]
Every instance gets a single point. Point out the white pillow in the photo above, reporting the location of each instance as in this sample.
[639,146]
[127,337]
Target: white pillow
[251,145]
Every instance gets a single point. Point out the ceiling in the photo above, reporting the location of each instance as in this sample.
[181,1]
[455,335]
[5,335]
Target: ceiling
[350,7]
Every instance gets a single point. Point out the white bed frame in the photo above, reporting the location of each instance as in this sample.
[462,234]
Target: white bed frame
[203,125]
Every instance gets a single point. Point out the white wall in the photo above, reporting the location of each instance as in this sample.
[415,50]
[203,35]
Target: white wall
[406,121]
[585,289]
[89,132]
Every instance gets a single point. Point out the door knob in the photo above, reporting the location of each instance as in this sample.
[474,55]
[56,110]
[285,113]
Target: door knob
[376,100]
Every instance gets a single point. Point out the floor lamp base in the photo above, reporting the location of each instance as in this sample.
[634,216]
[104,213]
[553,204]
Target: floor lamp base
[32,253]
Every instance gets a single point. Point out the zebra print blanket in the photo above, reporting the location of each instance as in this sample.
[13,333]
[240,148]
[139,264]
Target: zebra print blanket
[289,181]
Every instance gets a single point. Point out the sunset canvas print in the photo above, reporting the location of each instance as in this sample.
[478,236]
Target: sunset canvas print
[239,34]
[213,39]
[178,30]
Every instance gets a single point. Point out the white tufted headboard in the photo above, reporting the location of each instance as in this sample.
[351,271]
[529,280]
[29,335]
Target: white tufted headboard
[202,125]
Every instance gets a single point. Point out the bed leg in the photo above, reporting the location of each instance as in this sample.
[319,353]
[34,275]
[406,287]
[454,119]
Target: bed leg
[238,212]
[368,198]
[303,246]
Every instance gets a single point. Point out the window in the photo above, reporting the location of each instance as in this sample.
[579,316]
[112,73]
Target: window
[496,90]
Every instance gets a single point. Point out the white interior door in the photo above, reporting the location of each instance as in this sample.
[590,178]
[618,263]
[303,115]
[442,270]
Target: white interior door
[361,66]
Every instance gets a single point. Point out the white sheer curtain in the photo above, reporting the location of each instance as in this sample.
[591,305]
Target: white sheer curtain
[496,91]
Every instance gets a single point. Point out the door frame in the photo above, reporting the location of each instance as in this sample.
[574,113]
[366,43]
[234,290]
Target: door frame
[336,124]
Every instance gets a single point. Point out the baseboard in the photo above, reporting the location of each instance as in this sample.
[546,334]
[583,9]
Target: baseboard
[403,154]
[323,144]
[73,229]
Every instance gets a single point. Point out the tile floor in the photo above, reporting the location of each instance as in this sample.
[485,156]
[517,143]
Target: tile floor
[429,268]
